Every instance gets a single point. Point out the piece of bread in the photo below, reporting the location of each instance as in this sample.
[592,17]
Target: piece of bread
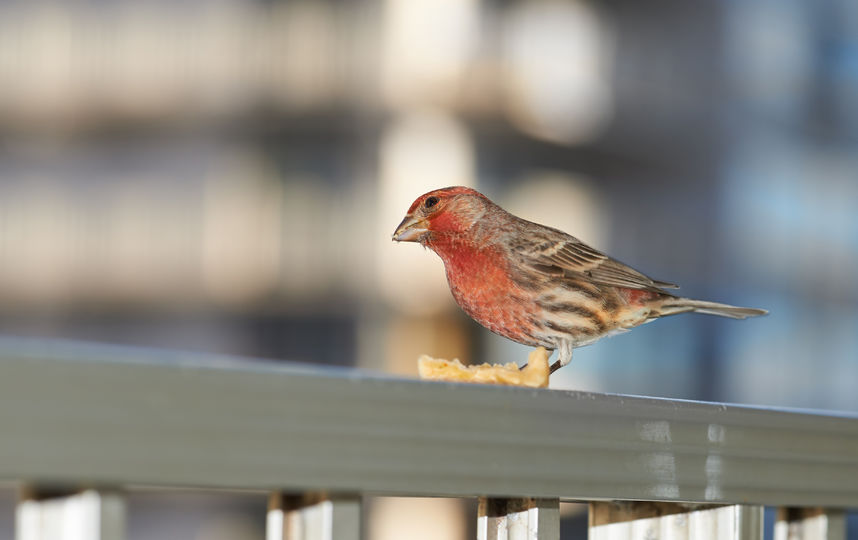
[534,375]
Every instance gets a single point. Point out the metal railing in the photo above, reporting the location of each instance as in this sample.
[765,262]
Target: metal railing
[107,418]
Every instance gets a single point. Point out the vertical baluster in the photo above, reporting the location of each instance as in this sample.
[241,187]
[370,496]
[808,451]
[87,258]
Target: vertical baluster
[670,521]
[810,524]
[518,519]
[86,515]
[313,517]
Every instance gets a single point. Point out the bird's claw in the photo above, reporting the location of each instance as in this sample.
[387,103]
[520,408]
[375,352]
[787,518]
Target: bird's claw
[554,367]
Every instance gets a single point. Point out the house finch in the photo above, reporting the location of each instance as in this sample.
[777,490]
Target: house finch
[534,284]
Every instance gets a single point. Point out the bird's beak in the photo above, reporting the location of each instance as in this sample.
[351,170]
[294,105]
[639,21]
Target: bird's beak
[411,229]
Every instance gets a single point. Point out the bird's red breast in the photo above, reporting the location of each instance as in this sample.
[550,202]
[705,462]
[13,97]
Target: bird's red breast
[480,281]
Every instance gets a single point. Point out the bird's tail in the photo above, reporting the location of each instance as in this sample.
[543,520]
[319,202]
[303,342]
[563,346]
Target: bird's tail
[674,305]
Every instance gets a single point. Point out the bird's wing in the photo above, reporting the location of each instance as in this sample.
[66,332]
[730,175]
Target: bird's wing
[559,254]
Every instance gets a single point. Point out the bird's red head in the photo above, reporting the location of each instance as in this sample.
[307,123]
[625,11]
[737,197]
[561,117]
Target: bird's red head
[447,210]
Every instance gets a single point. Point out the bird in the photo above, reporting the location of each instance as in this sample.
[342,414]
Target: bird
[534,284]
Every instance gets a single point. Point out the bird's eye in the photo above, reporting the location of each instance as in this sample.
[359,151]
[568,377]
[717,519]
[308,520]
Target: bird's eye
[430,202]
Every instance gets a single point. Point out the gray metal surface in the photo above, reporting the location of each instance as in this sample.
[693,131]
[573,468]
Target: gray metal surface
[98,415]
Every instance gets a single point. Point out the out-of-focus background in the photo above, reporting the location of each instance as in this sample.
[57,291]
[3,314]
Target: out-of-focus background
[225,176]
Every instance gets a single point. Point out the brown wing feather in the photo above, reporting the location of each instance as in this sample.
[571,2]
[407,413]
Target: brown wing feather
[561,254]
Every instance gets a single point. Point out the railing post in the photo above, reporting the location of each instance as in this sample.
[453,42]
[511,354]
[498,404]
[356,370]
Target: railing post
[671,521]
[810,524]
[313,517]
[90,514]
[518,519]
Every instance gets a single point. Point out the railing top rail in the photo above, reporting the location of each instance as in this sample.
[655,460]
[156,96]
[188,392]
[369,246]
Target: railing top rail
[94,414]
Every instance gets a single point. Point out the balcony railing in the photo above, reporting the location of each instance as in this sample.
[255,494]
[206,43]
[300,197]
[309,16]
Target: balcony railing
[81,423]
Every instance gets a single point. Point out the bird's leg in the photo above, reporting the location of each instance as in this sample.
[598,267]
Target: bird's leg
[564,356]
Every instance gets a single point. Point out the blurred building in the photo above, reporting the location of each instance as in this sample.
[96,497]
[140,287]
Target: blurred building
[225,176]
